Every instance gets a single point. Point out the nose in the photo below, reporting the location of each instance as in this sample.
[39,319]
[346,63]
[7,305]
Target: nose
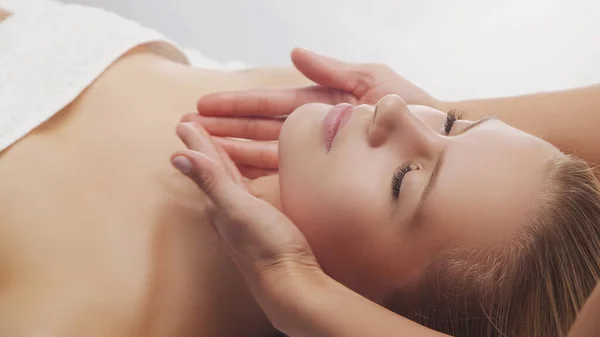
[394,122]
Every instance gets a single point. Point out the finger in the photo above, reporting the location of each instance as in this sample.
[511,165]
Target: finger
[243,127]
[263,154]
[260,238]
[257,233]
[232,169]
[333,73]
[196,138]
[269,250]
[210,177]
[252,172]
[268,102]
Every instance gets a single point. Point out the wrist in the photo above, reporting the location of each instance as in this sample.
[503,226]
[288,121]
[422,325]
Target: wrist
[291,298]
[312,301]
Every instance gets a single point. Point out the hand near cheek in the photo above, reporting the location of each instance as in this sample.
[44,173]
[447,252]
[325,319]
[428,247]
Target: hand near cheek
[253,150]
[264,244]
[247,123]
[274,256]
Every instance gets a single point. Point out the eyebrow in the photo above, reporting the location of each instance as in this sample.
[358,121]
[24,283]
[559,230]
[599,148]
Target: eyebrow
[477,123]
[440,159]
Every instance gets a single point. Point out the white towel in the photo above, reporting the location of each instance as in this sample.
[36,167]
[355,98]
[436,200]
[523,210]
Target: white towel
[50,53]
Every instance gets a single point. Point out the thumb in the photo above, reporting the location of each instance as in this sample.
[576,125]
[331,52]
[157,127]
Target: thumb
[330,72]
[262,241]
[272,254]
[211,177]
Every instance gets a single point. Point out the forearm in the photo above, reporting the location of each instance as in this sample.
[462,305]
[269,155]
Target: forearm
[333,310]
[568,119]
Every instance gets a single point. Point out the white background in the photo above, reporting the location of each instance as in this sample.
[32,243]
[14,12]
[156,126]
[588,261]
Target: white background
[454,49]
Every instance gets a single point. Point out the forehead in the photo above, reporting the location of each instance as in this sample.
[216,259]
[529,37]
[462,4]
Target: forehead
[490,179]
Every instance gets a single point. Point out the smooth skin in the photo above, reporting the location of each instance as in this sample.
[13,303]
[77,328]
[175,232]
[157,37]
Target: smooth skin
[313,303]
[99,234]
[467,188]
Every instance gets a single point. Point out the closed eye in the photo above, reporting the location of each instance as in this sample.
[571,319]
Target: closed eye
[398,177]
[451,117]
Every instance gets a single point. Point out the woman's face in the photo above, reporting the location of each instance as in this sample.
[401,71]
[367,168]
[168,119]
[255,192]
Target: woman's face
[391,191]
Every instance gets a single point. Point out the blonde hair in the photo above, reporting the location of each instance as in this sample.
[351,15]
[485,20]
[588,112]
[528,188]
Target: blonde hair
[533,286]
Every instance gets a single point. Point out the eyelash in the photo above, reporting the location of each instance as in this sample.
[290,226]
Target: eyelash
[398,177]
[451,118]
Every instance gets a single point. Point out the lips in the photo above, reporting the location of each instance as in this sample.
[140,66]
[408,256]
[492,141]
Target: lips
[334,120]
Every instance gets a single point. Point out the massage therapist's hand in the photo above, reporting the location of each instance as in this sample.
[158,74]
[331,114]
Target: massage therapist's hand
[252,114]
[269,250]
[274,256]
[253,159]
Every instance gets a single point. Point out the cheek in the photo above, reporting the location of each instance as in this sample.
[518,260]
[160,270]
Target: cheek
[338,223]
[327,195]
[344,212]
[322,206]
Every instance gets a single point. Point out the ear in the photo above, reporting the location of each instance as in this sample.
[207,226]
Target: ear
[267,189]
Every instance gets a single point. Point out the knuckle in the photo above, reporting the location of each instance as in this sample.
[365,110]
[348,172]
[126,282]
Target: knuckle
[263,104]
[248,128]
[377,68]
[370,75]
[367,76]
[383,68]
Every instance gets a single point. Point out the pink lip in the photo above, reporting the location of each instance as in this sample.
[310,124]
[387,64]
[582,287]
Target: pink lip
[334,120]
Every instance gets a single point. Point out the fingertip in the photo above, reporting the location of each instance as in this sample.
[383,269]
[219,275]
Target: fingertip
[299,51]
[208,103]
[182,129]
[302,50]
[189,117]
[190,161]
[190,128]
[182,163]
[202,103]
[302,57]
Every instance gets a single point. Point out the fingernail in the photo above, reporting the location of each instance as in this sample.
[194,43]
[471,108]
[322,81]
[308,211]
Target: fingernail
[182,164]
